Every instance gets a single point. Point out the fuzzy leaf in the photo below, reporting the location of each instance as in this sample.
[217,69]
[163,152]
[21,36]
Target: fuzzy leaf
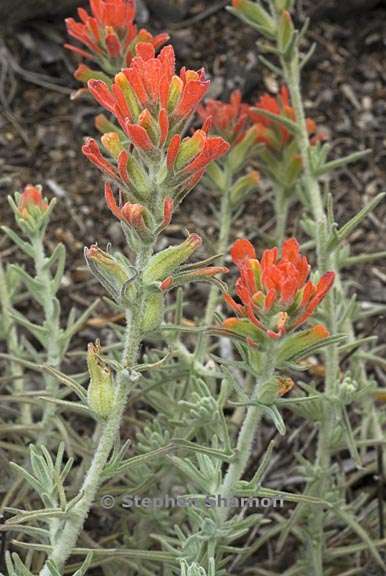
[66,405]
[15,566]
[341,162]
[25,246]
[290,353]
[279,119]
[41,333]
[70,382]
[350,520]
[33,285]
[343,232]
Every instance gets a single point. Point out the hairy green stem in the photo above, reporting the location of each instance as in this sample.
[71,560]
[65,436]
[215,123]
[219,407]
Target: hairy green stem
[10,334]
[66,539]
[245,439]
[326,261]
[52,323]
[281,213]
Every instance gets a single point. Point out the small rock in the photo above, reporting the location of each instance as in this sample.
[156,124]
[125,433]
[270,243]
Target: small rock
[367,103]
[169,10]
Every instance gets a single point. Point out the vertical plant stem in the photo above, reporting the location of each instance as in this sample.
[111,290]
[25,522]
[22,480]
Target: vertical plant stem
[245,439]
[326,261]
[10,332]
[67,538]
[221,248]
[281,213]
[52,322]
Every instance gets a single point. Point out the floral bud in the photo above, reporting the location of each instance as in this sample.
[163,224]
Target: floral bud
[31,204]
[243,327]
[293,171]
[149,123]
[139,219]
[167,211]
[83,73]
[109,272]
[113,44]
[164,263]
[244,186]
[175,90]
[285,32]
[189,148]
[128,94]
[103,124]
[217,176]
[154,310]
[112,142]
[207,274]
[100,394]
[241,151]
[137,175]
[302,341]
[92,152]
[348,389]
[31,209]
[256,16]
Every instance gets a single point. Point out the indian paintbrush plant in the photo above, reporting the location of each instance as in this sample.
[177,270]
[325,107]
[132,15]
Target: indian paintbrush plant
[199,405]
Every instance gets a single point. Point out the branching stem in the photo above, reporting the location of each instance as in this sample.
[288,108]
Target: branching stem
[246,438]
[67,538]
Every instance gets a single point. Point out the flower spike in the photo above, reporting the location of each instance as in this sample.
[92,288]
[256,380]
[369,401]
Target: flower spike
[110,35]
[274,292]
[151,104]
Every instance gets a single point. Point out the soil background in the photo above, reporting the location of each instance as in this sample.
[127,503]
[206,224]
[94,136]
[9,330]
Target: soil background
[42,130]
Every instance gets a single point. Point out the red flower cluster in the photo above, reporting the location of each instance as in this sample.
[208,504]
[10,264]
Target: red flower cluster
[229,119]
[274,134]
[148,99]
[152,104]
[247,128]
[232,119]
[110,35]
[275,293]
[31,202]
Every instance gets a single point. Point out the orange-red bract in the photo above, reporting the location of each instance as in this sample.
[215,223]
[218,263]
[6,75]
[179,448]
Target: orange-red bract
[229,119]
[274,293]
[275,134]
[109,33]
[152,104]
[31,199]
